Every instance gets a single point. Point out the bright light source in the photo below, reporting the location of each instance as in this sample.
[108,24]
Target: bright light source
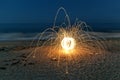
[68,43]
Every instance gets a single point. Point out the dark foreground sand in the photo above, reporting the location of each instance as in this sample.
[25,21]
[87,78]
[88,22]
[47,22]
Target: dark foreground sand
[14,66]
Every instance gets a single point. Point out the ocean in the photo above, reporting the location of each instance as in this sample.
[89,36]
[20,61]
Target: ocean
[27,31]
[39,27]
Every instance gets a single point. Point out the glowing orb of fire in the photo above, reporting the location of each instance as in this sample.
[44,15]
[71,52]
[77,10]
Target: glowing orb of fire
[68,43]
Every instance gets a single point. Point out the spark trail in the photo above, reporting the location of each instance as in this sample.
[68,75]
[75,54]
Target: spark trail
[67,42]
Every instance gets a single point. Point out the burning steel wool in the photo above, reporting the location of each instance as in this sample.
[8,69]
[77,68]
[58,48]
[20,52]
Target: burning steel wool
[67,43]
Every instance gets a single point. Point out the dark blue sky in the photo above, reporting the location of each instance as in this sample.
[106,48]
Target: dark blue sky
[35,11]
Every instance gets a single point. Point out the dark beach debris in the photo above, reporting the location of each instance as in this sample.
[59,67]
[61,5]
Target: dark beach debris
[6,64]
[31,63]
[24,64]
[4,49]
[15,62]
[14,59]
[22,56]
[24,59]
[54,59]
[18,48]
[3,68]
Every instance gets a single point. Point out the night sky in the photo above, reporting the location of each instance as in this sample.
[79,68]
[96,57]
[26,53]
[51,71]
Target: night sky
[43,11]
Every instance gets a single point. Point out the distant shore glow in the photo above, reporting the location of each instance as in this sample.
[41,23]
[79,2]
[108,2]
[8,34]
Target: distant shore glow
[68,43]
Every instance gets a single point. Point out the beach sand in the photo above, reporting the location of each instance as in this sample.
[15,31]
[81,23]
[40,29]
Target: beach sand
[14,66]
